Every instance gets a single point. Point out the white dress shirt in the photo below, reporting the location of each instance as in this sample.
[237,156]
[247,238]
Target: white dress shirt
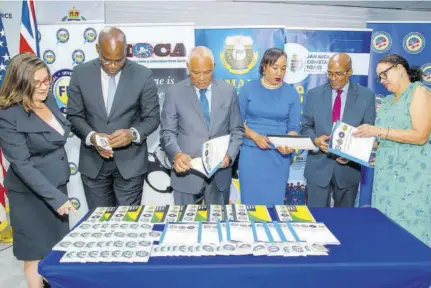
[105,84]
[208,94]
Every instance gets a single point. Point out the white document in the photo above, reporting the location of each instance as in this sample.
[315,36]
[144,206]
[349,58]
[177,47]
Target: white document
[103,142]
[210,234]
[314,233]
[343,144]
[241,232]
[180,233]
[261,233]
[213,153]
[295,142]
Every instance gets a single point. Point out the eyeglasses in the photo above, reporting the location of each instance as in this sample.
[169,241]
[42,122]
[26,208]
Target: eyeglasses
[384,74]
[116,62]
[46,82]
[337,74]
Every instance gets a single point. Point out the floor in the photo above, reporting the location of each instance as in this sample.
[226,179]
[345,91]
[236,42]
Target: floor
[11,270]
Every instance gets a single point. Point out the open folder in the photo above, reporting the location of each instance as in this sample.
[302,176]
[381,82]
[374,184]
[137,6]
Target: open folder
[213,153]
[295,142]
[343,144]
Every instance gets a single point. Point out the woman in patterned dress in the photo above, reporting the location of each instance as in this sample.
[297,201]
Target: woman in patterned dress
[402,179]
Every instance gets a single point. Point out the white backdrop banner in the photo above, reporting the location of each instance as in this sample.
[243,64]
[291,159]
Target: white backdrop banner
[161,47]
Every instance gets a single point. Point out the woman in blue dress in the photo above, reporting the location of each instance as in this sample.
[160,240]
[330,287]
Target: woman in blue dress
[268,106]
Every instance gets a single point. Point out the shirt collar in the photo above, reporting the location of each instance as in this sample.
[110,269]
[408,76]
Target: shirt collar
[197,89]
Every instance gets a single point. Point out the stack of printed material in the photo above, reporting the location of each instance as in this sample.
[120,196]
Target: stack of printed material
[244,238]
[125,233]
[109,235]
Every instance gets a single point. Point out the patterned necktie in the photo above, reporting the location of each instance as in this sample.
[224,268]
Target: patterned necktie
[112,87]
[205,106]
[336,110]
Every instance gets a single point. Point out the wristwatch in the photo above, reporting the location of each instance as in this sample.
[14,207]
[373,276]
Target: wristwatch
[134,135]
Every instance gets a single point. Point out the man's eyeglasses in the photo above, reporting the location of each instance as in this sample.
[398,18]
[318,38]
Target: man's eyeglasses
[337,74]
[384,74]
[46,82]
[109,62]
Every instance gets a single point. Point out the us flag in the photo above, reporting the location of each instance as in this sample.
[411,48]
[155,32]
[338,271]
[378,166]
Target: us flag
[4,61]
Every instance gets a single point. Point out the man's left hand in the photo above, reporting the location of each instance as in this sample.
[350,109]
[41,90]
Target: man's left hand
[226,162]
[342,161]
[121,138]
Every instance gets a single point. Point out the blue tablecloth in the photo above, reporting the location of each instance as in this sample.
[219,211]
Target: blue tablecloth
[374,252]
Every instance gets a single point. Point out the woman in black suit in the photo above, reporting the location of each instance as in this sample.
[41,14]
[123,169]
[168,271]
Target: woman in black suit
[33,133]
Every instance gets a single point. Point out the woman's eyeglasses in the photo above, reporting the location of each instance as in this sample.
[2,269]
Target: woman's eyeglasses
[46,82]
[384,74]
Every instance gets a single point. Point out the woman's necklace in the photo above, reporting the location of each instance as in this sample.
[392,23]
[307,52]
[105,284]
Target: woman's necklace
[269,86]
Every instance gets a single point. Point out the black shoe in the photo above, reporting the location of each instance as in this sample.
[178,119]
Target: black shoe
[46,284]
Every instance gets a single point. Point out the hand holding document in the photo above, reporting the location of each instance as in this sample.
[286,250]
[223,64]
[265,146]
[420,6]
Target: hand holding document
[103,142]
[342,143]
[212,155]
[295,142]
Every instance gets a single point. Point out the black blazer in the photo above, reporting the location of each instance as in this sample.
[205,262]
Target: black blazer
[38,160]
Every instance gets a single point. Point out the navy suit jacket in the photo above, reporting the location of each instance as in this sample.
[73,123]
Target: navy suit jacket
[38,160]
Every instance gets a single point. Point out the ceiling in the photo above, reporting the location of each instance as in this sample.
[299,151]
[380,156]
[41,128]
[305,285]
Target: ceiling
[397,5]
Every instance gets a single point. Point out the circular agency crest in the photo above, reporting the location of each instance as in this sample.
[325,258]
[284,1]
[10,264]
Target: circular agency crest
[238,56]
[90,35]
[49,57]
[78,57]
[73,168]
[75,203]
[381,42]
[426,69]
[62,35]
[414,43]
[59,87]
[295,72]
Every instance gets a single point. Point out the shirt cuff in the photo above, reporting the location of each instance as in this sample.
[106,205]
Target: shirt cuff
[88,138]
[316,150]
[138,139]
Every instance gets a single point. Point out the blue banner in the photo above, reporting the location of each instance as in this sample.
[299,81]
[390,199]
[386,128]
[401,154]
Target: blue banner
[238,51]
[410,40]
[308,53]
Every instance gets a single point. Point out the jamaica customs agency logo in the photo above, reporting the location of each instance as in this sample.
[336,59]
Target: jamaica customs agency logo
[60,87]
[414,43]
[426,69]
[238,55]
[62,36]
[90,35]
[142,50]
[75,203]
[78,57]
[381,42]
[49,57]
[73,168]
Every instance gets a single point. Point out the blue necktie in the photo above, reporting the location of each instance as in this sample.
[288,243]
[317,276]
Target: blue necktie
[112,87]
[205,106]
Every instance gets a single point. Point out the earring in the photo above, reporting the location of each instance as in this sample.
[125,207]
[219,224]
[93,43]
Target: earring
[402,75]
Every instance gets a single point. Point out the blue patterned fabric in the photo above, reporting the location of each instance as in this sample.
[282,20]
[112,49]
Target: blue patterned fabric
[402,179]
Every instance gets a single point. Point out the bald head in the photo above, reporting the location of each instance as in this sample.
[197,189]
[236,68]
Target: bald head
[339,70]
[201,66]
[342,59]
[112,47]
[111,34]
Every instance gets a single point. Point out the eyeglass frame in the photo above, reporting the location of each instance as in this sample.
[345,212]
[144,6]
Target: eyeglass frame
[116,62]
[337,74]
[379,78]
[38,83]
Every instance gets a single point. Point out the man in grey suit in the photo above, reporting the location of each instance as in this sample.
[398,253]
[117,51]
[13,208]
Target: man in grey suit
[194,111]
[342,100]
[114,98]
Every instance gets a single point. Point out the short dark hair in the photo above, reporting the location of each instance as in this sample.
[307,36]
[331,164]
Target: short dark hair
[415,73]
[270,57]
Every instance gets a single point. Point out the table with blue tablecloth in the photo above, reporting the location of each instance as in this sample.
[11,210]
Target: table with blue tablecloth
[374,252]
